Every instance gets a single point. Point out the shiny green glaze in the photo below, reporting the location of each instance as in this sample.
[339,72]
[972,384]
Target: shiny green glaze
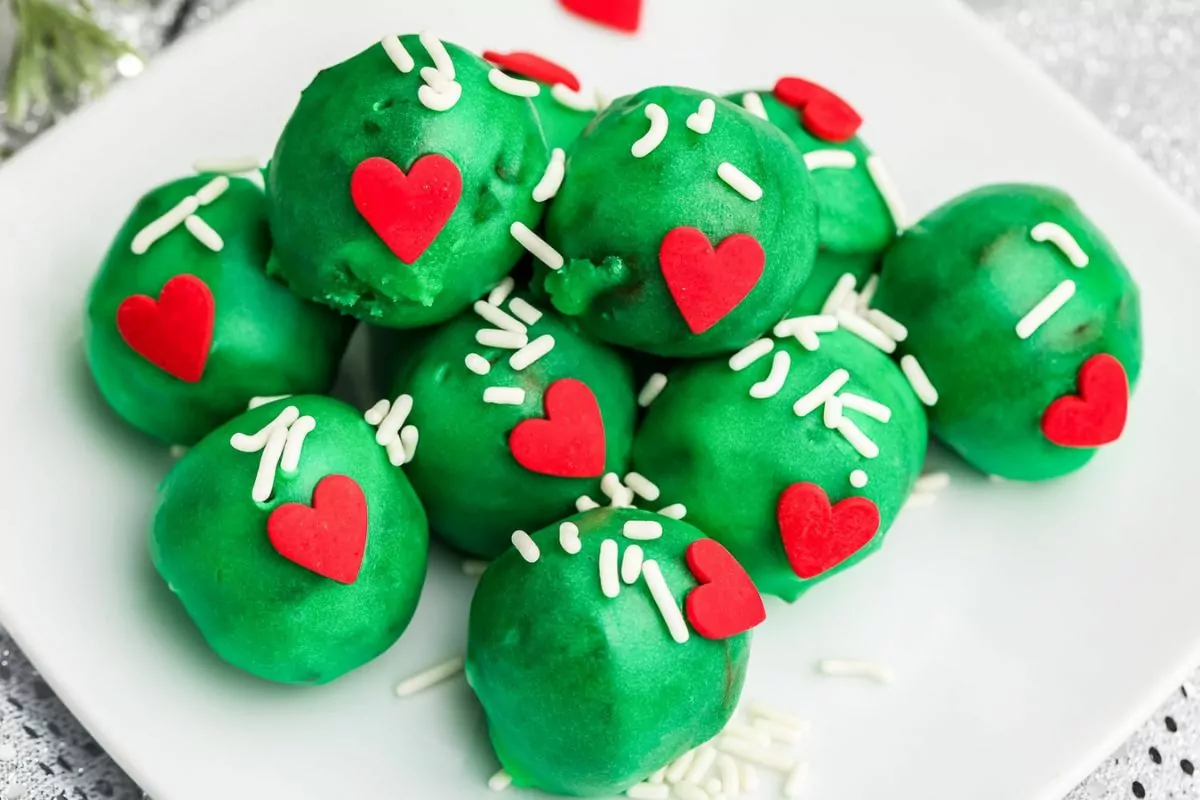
[585,695]
[561,124]
[259,611]
[365,107]
[613,210]
[474,490]
[963,277]
[266,341]
[728,456]
[855,224]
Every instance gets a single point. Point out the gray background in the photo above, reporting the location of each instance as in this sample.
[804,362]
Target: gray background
[1134,63]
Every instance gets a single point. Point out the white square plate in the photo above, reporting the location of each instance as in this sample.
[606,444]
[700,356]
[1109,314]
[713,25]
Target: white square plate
[1030,627]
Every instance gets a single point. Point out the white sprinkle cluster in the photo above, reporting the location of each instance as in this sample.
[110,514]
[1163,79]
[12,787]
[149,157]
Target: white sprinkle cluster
[440,91]
[281,443]
[805,329]
[926,489]
[391,433]
[184,213]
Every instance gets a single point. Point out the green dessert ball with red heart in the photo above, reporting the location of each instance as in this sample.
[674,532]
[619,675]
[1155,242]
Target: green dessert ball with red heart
[295,546]
[563,108]
[517,446]
[1025,323]
[397,179]
[183,327]
[798,461]
[685,225]
[606,646]
[856,223]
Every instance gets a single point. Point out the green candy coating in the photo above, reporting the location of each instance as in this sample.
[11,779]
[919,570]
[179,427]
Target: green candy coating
[614,210]
[855,223]
[365,108]
[259,611]
[962,278]
[465,441]
[561,124]
[266,341]
[587,695]
[728,456]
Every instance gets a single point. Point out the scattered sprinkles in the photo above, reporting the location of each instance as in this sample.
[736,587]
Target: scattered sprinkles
[919,380]
[204,233]
[832,415]
[568,538]
[610,576]
[526,546]
[1061,238]
[824,390]
[836,668]
[394,419]
[271,441]
[865,405]
[770,386]
[887,324]
[653,137]
[437,52]
[805,329]
[536,245]
[478,364]
[642,530]
[750,353]
[1045,309]
[866,331]
[830,159]
[552,178]
[754,104]
[841,290]
[504,395]
[631,564]
[739,182]
[523,311]
[702,121]
[653,388]
[517,87]
[858,479]
[618,493]
[182,213]
[665,600]
[430,677]
[797,779]
[642,486]
[396,52]
[508,340]
[531,352]
[498,317]
[503,289]
[857,439]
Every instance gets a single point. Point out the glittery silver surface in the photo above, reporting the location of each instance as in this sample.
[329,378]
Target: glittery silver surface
[1134,63]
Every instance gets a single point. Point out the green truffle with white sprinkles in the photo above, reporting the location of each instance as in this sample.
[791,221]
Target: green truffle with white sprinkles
[796,453]
[859,207]
[563,107]
[606,646]
[685,226]
[1024,329]
[183,327]
[296,547]
[515,409]
[404,181]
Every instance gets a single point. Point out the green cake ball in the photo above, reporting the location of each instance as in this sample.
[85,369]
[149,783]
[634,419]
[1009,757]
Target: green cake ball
[1023,326]
[855,197]
[563,108]
[685,225]
[397,180]
[296,547]
[798,461]
[598,655]
[515,429]
[183,327]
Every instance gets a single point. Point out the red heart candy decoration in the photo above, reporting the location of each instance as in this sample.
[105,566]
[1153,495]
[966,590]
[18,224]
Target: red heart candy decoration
[823,113]
[569,442]
[707,284]
[174,332]
[533,67]
[727,602]
[816,536]
[329,538]
[1096,416]
[407,211]
[624,15]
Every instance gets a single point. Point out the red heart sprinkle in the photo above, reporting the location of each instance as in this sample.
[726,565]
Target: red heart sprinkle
[816,536]
[174,333]
[707,284]
[329,538]
[624,15]
[727,602]
[407,211]
[569,442]
[533,67]
[1096,416]
[823,113]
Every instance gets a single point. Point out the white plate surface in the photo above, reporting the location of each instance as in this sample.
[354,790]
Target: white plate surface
[1030,627]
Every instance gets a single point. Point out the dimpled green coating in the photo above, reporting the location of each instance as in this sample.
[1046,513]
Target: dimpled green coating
[963,277]
[728,456]
[613,211]
[364,108]
[587,695]
[464,441]
[855,223]
[266,341]
[259,611]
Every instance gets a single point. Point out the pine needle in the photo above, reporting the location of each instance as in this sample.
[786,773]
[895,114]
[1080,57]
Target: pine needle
[60,52]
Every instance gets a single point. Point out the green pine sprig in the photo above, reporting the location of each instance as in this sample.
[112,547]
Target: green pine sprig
[60,52]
